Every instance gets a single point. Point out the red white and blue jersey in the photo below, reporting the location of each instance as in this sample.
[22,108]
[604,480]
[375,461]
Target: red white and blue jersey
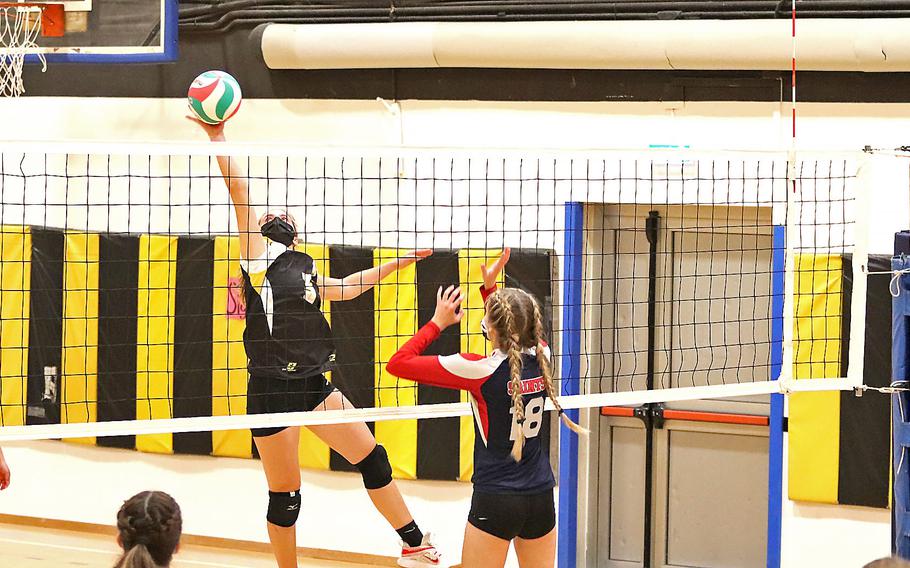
[487,381]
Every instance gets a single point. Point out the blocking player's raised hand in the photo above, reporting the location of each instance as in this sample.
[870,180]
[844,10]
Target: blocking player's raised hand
[491,273]
[448,307]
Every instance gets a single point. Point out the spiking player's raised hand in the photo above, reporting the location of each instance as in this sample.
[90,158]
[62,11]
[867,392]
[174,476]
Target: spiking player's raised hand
[215,132]
[413,256]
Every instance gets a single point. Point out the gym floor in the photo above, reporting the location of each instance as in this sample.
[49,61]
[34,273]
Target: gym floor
[33,547]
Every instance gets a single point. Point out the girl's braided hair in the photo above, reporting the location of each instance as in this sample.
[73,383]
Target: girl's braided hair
[516,318]
[150,525]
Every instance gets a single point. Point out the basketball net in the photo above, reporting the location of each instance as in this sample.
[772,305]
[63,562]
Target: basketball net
[20,26]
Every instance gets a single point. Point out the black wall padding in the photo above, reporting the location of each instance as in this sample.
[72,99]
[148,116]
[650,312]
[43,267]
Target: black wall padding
[438,439]
[865,422]
[118,280]
[353,320]
[193,340]
[45,327]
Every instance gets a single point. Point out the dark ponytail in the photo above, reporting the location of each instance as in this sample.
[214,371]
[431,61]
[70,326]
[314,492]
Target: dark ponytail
[137,557]
[149,524]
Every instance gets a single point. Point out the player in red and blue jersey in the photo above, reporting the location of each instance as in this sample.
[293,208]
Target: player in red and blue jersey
[513,480]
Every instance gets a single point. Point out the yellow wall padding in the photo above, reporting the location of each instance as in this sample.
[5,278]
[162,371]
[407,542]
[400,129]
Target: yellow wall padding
[814,418]
[396,322]
[79,391]
[15,283]
[472,340]
[229,374]
[313,452]
[155,337]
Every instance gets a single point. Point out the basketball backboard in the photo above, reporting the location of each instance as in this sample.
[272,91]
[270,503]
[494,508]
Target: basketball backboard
[101,31]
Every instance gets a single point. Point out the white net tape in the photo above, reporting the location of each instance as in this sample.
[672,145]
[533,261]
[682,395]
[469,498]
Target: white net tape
[20,26]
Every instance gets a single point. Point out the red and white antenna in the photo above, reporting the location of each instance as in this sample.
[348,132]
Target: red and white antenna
[793,67]
[791,173]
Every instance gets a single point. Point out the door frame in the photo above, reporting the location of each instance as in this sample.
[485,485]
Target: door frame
[590,514]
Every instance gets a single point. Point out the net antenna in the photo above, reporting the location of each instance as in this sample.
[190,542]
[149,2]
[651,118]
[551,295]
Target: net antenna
[21,24]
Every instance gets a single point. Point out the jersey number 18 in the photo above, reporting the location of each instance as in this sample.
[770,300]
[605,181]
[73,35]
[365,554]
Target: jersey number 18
[533,419]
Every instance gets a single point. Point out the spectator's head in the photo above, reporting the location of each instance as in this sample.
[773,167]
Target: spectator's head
[149,524]
[893,562]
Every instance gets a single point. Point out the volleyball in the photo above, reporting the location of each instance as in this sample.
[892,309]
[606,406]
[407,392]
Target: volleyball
[214,96]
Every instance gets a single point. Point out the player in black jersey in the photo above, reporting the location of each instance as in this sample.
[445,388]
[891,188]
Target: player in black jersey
[289,346]
[513,481]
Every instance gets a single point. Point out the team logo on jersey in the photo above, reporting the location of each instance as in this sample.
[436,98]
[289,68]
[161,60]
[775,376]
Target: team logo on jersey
[309,287]
[291,367]
[531,386]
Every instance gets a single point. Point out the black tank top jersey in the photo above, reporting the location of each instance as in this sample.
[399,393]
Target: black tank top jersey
[487,379]
[287,335]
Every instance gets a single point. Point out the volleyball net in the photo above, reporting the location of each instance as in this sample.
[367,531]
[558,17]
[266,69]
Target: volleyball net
[662,276]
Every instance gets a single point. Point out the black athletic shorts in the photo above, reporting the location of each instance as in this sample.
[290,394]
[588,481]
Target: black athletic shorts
[508,516]
[266,395]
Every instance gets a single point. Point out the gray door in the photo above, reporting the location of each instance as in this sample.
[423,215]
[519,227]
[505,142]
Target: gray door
[711,495]
[707,492]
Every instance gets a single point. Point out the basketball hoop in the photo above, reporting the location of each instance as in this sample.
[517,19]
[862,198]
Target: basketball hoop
[21,23]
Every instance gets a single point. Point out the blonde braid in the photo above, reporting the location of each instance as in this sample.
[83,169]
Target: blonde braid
[511,344]
[547,371]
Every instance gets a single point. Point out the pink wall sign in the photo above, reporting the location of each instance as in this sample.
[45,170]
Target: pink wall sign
[235,306]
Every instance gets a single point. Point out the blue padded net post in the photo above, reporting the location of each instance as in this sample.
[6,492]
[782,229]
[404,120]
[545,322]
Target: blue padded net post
[900,402]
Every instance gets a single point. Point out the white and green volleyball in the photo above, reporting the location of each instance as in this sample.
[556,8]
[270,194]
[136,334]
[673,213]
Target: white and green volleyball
[214,96]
